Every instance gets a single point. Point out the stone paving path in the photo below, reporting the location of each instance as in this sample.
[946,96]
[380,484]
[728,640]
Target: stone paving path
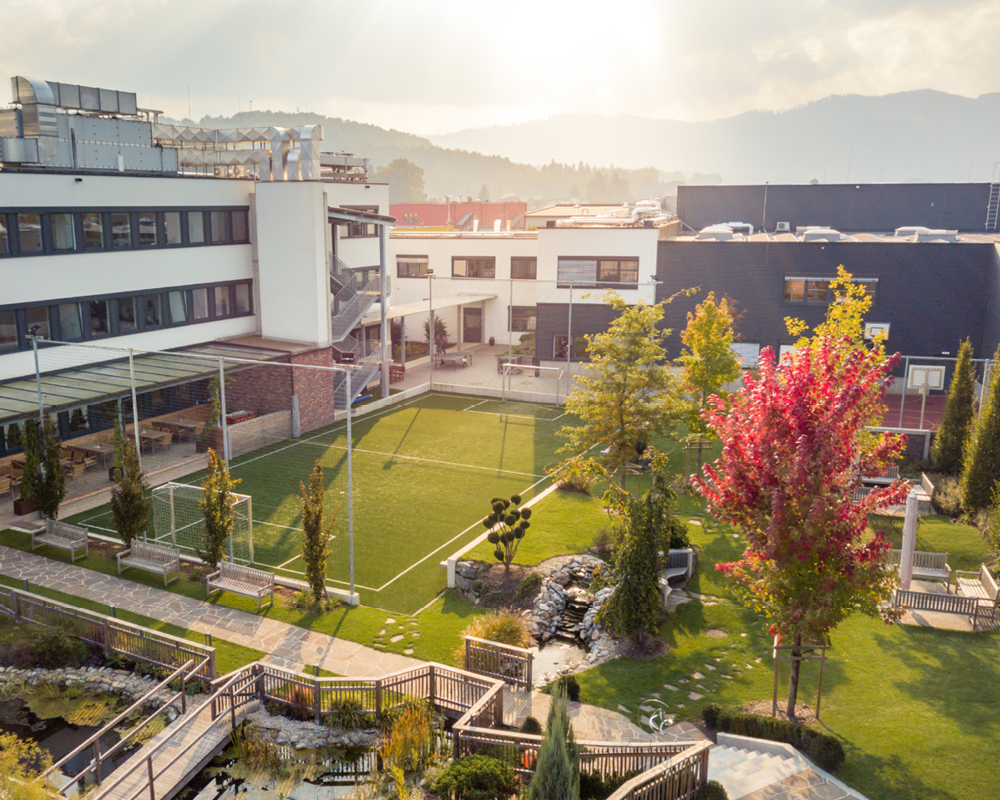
[292,646]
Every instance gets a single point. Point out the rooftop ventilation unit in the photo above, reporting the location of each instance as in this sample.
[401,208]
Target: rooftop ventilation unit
[736,227]
[717,233]
[937,235]
[822,235]
[911,230]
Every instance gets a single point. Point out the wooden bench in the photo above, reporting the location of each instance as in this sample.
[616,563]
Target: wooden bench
[151,558]
[397,373]
[981,587]
[926,566]
[62,535]
[246,581]
[680,564]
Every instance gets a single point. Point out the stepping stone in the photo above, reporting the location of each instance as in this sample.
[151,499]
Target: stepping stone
[623,709]
[381,632]
[644,721]
[683,680]
[396,638]
[408,651]
[716,661]
[694,696]
[728,677]
[390,621]
[647,709]
[416,634]
[655,694]
[698,676]
[671,688]
[680,705]
[749,666]
[756,660]
[710,668]
[743,634]
[402,627]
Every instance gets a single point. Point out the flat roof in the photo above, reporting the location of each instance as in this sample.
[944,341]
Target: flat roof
[422,307]
[411,233]
[576,210]
[880,238]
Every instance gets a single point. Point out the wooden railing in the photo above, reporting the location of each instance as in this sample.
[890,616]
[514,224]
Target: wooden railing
[111,634]
[510,664]
[678,778]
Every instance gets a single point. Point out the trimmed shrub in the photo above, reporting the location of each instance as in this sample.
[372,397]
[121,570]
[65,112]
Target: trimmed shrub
[527,587]
[710,715]
[947,497]
[713,790]
[826,751]
[531,725]
[476,778]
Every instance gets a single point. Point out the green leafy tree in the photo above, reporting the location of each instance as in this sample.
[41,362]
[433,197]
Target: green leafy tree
[557,769]
[50,481]
[440,330]
[959,414]
[708,358]
[981,463]
[405,179]
[31,460]
[648,525]
[627,394]
[21,763]
[129,506]
[484,194]
[315,537]
[507,525]
[218,505]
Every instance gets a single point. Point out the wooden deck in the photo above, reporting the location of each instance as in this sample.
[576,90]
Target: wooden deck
[189,743]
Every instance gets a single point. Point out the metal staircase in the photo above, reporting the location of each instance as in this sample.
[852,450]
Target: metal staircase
[993,207]
[351,298]
[368,361]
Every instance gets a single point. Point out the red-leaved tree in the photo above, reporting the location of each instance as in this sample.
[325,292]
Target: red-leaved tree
[792,455]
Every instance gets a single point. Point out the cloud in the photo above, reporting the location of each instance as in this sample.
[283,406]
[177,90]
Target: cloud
[439,65]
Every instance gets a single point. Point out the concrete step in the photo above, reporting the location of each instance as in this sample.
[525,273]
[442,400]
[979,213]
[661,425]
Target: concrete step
[743,771]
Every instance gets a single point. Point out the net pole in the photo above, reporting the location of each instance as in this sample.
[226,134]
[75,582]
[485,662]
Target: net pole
[350,487]
[135,408]
[222,406]
[173,518]
[250,526]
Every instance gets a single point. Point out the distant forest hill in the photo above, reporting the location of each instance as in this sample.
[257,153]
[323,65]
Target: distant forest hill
[909,136]
[452,172]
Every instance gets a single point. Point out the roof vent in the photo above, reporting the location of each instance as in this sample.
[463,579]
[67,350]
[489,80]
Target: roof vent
[716,233]
[937,235]
[911,230]
[822,235]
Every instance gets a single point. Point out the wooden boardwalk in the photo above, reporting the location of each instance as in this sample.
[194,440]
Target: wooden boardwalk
[178,752]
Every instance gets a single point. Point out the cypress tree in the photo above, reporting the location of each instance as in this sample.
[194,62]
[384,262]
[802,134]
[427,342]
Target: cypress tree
[30,480]
[946,453]
[981,465]
[218,507]
[557,770]
[50,480]
[315,538]
[129,506]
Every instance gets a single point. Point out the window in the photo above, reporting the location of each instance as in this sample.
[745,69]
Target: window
[199,305]
[93,232]
[70,324]
[579,348]
[870,285]
[147,228]
[63,232]
[241,227]
[620,273]
[172,227]
[524,268]
[178,307]
[8,331]
[223,306]
[38,316]
[358,229]
[196,227]
[819,290]
[411,266]
[242,291]
[474,267]
[152,313]
[523,318]
[795,290]
[4,240]
[747,353]
[222,230]
[29,228]
[121,231]
[99,322]
[127,319]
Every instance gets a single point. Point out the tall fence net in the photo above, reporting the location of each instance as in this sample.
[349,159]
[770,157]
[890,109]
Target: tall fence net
[178,522]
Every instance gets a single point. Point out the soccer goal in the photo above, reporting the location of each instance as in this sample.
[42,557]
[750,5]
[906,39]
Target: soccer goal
[178,521]
[528,382]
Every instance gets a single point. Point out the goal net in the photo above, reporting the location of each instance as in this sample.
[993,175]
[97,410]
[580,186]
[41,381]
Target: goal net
[178,522]
[531,383]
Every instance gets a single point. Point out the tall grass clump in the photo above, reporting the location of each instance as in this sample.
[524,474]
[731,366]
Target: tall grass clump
[501,625]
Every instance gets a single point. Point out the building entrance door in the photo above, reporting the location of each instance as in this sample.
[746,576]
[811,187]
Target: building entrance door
[472,325]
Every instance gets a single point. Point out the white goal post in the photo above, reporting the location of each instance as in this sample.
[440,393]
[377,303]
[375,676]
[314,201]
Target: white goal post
[178,521]
[545,381]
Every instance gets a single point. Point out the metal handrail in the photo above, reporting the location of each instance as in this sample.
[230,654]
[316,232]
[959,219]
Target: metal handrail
[347,316]
[95,738]
[148,760]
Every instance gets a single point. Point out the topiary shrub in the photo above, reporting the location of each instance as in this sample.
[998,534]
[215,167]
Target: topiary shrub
[710,715]
[567,683]
[476,778]
[713,790]
[826,751]
[531,725]
[527,587]
[947,497]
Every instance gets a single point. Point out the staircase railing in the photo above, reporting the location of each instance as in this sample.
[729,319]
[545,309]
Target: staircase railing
[348,312]
[368,355]
[993,206]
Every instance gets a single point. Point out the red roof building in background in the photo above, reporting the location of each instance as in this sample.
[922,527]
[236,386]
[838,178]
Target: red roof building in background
[459,216]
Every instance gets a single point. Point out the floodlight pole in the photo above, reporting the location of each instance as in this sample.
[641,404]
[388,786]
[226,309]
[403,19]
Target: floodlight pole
[431,338]
[38,379]
[222,412]
[569,344]
[135,409]
[350,483]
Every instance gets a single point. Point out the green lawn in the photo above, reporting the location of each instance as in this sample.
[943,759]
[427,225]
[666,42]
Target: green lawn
[423,475]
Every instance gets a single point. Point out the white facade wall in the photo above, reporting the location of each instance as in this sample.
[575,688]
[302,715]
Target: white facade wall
[358,252]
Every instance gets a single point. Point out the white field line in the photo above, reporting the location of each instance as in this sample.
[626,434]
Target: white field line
[505,414]
[476,404]
[428,460]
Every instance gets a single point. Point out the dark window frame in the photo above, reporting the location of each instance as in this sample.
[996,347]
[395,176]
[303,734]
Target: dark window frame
[522,314]
[523,261]
[362,230]
[414,260]
[599,282]
[806,280]
[490,260]
[574,356]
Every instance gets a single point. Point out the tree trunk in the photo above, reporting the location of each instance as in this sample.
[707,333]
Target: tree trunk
[793,678]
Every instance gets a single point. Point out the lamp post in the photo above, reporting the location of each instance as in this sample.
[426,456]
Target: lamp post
[569,343]
[763,216]
[350,484]
[430,323]
[33,335]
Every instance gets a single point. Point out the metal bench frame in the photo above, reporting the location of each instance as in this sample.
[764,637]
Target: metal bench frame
[151,558]
[64,536]
[238,579]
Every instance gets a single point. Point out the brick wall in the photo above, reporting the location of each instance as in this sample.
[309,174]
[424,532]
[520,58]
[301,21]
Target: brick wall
[314,389]
[264,389]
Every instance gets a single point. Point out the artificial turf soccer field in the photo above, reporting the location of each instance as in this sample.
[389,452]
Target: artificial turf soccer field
[424,473]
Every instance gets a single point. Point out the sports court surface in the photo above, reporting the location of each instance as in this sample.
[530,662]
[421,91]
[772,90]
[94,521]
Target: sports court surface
[424,473]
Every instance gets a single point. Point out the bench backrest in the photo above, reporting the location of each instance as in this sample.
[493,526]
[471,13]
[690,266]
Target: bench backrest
[154,552]
[64,529]
[921,559]
[236,572]
[987,581]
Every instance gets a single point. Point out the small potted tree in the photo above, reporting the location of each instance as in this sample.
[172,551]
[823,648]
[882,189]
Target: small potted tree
[25,504]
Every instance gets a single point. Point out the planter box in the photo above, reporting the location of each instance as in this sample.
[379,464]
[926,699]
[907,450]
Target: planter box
[22,507]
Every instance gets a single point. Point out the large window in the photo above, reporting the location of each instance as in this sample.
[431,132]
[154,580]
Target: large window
[362,229]
[172,227]
[411,266]
[63,232]
[199,306]
[147,229]
[524,268]
[196,227]
[37,319]
[242,305]
[484,267]
[611,273]
[121,231]
[523,318]
[152,314]
[128,320]
[222,229]
[70,322]
[241,227]
[29,229]
[100,322]
[4,239]
[819,291]
[223,304]
[178,307]
[8,330]
[579,350]
[93,231]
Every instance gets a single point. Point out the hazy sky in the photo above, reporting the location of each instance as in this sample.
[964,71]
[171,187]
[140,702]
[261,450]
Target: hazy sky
[434,66]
